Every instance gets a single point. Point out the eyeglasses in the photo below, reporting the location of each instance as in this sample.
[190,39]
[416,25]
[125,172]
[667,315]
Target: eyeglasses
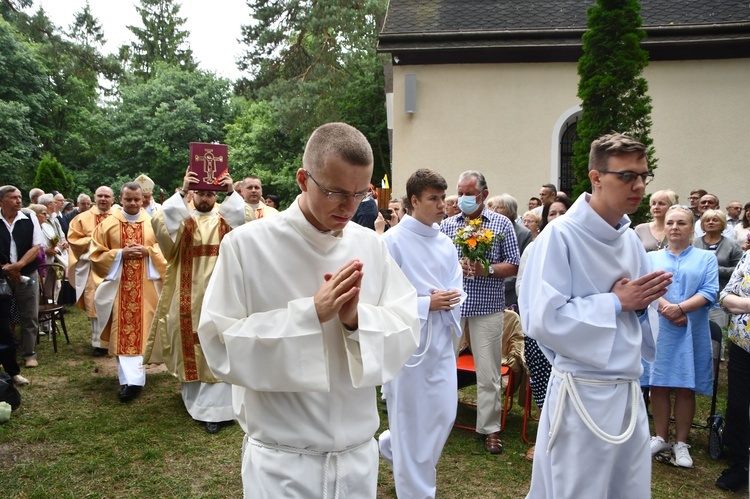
[693,198]
[338,196]
[629,177]
[708,202]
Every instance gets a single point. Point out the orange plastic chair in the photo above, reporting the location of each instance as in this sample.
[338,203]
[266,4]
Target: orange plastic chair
[467,374]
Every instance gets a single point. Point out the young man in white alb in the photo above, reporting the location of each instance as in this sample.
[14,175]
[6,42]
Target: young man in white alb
[422,397]
[585,298]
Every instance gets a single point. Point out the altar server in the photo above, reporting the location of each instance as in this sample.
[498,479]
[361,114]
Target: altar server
[422,397]
[587,297]
[305,354]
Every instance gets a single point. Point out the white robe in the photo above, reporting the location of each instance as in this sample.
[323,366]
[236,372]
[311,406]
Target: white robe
[304,391]
[566,305]
[422,397]
[209,402]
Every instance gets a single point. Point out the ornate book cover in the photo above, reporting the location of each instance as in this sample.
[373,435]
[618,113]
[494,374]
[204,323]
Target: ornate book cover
[209,161]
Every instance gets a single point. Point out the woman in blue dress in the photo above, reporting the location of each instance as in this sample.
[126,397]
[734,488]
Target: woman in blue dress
[683,349]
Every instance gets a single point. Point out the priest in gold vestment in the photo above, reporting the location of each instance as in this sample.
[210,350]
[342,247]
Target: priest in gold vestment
[252,191]
[79,264]
[190,241]
[128,268]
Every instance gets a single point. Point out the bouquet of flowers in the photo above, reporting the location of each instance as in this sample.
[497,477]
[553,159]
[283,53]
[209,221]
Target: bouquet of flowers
[475,242]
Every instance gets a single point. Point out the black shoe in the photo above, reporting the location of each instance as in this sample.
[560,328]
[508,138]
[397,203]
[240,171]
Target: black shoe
[129,392]
[733,478]
[213,428]
[99,352]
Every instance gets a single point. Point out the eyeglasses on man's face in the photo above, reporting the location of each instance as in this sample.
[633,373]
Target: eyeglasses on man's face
[629,177]
[694,198]
[338,196]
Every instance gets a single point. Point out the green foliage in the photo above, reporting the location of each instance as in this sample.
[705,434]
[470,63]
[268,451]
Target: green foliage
[260,147]
[23,93]
[17,145]
[156,120]
[70,123]
[612,90]
[160,40]
[51,176]
[315,62]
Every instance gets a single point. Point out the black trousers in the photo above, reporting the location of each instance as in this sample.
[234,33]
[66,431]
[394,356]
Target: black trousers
[7,341]
[737,430]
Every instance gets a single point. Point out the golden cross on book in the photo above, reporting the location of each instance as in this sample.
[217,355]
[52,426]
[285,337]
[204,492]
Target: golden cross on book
[209,165]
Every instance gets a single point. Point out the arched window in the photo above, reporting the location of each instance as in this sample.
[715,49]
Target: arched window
[567,177]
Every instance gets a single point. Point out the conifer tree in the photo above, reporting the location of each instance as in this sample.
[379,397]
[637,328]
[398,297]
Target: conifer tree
[50,176]
[161,39]
[611,87]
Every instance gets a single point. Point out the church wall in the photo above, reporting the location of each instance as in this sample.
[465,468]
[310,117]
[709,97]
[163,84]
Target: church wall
[500,119]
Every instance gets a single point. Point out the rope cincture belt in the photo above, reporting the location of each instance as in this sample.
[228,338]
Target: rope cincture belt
[309,452]
[568,388]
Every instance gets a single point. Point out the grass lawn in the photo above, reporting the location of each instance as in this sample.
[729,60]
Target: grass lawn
[73,438]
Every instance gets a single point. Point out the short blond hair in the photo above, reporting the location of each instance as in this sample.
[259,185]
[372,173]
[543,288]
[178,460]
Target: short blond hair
[338,140]
[714,214]
[37,208]
[683,209]
[536,216]
[671,196]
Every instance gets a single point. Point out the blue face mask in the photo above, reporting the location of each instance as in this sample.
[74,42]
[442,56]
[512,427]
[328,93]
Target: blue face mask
[468,204]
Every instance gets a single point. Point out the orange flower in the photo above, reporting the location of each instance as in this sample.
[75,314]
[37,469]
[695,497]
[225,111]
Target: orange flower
[472,242]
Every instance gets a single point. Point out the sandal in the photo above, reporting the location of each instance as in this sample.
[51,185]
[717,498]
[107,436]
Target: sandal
[493,444]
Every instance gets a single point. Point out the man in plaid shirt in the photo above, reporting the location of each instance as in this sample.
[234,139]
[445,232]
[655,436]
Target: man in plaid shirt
[484,305]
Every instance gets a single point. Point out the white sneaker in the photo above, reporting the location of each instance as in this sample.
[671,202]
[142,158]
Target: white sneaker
[658,445]
[681,455]
[19,380]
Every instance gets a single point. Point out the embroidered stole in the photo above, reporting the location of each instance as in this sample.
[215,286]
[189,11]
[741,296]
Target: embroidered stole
[130,335]
[189,252]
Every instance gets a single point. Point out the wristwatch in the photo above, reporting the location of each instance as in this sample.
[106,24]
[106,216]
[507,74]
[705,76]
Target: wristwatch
[490,271]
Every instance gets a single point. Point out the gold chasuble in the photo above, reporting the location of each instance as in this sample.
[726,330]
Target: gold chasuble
[262,211]
[191,252]
[128,290]
[79,266]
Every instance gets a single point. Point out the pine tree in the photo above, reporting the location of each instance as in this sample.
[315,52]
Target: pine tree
[50,176]
[612,89]
[161,39]
[316,62]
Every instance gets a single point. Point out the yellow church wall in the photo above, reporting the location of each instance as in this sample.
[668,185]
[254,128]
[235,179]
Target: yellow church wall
[503,120]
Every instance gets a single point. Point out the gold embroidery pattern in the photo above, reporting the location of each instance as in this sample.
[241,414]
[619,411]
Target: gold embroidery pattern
[100,218]
[188,253]
[130,335]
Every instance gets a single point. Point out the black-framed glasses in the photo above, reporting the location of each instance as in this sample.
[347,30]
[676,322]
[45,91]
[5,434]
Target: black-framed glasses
[338,196]
[629,177]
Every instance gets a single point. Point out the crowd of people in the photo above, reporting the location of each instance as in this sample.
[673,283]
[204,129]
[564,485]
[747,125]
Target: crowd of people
[368,297]
[117,260]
